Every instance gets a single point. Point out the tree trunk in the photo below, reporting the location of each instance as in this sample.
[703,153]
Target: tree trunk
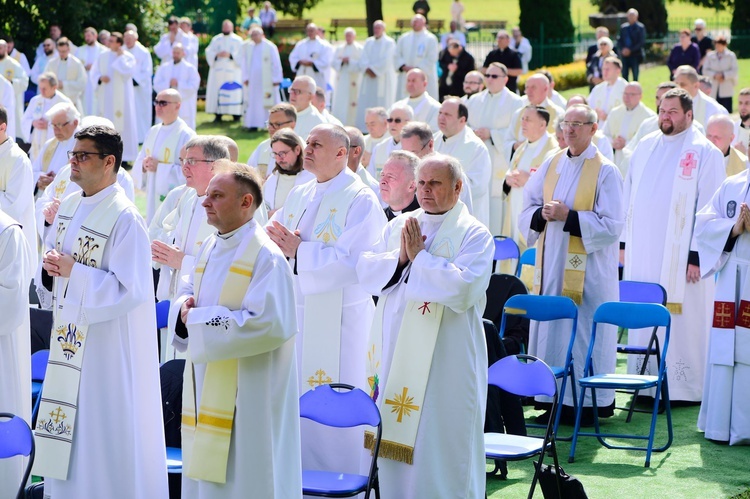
[374,13]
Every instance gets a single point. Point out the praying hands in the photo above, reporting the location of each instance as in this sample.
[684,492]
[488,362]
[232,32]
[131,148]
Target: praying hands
[412,241]
[743,221]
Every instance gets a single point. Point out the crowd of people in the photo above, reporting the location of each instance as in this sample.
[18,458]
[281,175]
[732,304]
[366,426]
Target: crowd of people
[270,266]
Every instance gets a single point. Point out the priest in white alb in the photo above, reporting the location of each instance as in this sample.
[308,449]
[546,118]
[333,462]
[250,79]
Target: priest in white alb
[398,117]
[430,269]
[103,372]
[287,173]
[280,116]
[163,49]
[490,112]
[180,75]
[17,76]
[88,53]
[16,270]
[624,120]
[311,56]
[742,125]
[142,87]
[354,160]
[459,141]
[8,102]
[425,107]
[348,78]
[720,132]
[378,87]
[16,183]
[607,95]
[301,95]
[573,211]
[63,119]
[261,76]
[419,49]
[112,73]
[323,228]
[70,71]
[223,56]
[35,129]
[235,318]
[157,167]
[705,106]
[673,173]
[539,145]
[376,123]
[722,232]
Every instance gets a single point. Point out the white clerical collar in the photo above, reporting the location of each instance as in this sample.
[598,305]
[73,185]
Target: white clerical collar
[324,186]
[307,110]
[676,137]
[416,99]
[171,125]
[241,229]
[455,138]
[589,153]
[434,219]
[95,198]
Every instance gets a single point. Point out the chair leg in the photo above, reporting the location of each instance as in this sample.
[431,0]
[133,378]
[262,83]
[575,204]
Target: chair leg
[577,427]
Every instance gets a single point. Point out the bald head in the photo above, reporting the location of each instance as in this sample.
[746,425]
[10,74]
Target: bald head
[356,147]
[632,95]
[537,87]
[416,83]
[720,131]
[234,150]
[326,151]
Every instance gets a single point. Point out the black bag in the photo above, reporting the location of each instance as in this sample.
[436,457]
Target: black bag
[34,491]
[570,486]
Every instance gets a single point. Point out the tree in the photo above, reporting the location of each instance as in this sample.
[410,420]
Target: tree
[740,22]
[374,13]
[294,8]
[652,13]
[546,22]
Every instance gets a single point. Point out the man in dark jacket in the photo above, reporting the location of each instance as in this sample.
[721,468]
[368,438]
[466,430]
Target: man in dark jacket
[630,44]
[455,63]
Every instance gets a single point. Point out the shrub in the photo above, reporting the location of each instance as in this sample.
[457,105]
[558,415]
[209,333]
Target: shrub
[566,76]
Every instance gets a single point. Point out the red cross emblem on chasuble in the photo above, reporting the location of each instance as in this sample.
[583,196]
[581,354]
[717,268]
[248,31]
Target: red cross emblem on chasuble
[724,314]
[688,163]
[743,316]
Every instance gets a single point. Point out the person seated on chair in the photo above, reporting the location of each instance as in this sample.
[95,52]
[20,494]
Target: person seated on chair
[430,268]
[236,312]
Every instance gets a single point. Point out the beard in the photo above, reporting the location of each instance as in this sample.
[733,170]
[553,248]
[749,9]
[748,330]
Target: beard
[744,117]
[666,128]
[2,56]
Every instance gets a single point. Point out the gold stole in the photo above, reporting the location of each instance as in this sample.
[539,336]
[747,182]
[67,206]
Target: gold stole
[6,160]
[737,162]
[269,96]
[118,91]
[205,445]
[323,311]
[575,261]
[49,152]
[55,429]
[409,373]
[167,152]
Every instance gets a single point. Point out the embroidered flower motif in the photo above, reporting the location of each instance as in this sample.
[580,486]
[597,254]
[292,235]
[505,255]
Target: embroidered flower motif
[219,321]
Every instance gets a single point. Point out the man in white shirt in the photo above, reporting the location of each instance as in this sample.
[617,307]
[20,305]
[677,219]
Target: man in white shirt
[354,159]
[191,49]
[261,75]
[398,117]
[223,55]
[521,44]
[742,126]
[720,132]
[424,105]
[312,56]
[182,76]
[16,75]
[63,119]
[142,75]
[607,95]
[704,106]
[70,72]
[319,101]
[88,53]
[348,78]
[418,49]
[36,129]
[301,94]
[379,78]
[163,49]
[376,121]
[624,120]
[47,53]
[16,54]
[280,116]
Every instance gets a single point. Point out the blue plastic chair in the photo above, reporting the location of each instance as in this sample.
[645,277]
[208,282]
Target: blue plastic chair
[543,309]
[162,314]
[525,379]
[284,86]
[16,439]
[505,249]
[174,460]
[38,372]
[631,316]
[345,409]
[641,292]
[528,257]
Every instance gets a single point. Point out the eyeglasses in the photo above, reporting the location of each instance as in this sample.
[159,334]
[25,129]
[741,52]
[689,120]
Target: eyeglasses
[271,124]
[280,154]
[83,156]
[162,103]
[453,46]
[395,120]
[193,161]
[493,77]
[574,125]
[58,126]
[296,91]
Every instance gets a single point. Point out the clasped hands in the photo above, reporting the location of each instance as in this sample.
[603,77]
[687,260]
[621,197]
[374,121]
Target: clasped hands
[285,239]
[743,221]
[555,211]
[57,264]
[412,241]
[517,178]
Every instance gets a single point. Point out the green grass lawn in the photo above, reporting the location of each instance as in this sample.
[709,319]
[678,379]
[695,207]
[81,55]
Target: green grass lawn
[650,77]
[487,10]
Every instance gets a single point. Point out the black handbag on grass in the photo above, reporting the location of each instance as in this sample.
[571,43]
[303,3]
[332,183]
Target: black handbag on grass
[570,486]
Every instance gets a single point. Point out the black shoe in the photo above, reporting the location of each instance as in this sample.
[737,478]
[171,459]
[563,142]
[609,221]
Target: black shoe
[237,118]
[252,129]
[217,119]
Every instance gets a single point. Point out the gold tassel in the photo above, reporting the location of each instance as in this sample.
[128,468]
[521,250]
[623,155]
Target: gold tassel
[674,308]
[576,296]
[396,452]
[369,440]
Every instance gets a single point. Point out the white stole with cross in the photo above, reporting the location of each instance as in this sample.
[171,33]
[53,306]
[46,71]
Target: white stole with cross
[403,396]
[55,428]
[681,216]
[106,59]
[267,89]
[206,438]
[323,311]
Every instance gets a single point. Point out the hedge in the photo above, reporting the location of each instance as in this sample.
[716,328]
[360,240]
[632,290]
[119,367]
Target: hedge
[566,76]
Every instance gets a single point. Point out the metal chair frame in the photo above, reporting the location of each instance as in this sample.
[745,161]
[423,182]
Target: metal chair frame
[23,447]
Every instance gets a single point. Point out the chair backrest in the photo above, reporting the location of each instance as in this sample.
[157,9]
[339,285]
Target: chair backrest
[505,248]
[642,292]
[39,365]
[286,83]
[528,257]
[541,307]
[525,379]
[16,438]
[344,409]
[162,314]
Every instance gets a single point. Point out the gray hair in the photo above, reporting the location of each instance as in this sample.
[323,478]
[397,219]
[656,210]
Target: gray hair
[213,147]
[356,139]
[71,113]
[606,41]
[417,129]
[379,111]
[336,132]
[688,71]
[49,77]
[311,85]
[454,167]
[408,160]
[590,113]
[402,107]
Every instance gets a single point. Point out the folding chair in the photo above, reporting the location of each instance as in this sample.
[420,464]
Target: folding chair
[640,292]
[501,287]
[631,316]
[345,409]
[286,83]
[505,249]
[230,94]
[525,379]
[544,309]
[525,270]
[38,371]
[16,439]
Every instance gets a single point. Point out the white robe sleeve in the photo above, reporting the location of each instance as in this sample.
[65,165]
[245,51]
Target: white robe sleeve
[265,322]
[712,230]
[460,284]
[277,73]
[295,56]
[161,78]
[20,185]
[97,295]
[192,81]
[711,174]
[163,49]
[211,52]
[322,268]
[533,199]
[14,282]
[376,268]
[124,65]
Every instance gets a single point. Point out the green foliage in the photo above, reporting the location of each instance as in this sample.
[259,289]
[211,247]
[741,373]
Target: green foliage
[741,29]
[28,21]
[566,76]
[548,20]
[294,8]
[652,13]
